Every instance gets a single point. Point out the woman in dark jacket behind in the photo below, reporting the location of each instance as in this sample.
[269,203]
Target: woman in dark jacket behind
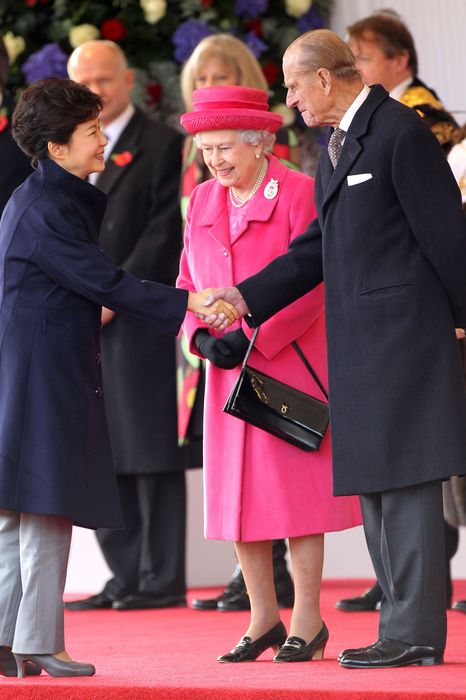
[55,460]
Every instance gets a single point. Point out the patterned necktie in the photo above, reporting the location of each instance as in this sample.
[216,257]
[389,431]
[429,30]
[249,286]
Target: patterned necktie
[335,145]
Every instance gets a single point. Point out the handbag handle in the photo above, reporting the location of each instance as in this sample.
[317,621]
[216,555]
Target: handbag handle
[303,357]
[309,367]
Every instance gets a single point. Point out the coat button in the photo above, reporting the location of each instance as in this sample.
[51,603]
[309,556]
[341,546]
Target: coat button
[98,392]
[98,358]
[225,252]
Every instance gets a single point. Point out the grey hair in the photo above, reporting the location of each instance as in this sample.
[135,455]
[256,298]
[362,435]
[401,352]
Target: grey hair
[322,48]
[252,137]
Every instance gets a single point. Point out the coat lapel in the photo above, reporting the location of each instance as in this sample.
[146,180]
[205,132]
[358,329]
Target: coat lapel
[351,147]
[260,208]
[127,143]
[214,203]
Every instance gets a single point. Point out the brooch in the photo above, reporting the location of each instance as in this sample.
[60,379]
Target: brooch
[271,189]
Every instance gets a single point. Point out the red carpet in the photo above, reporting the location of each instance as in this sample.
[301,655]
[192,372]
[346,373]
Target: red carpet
[170,654]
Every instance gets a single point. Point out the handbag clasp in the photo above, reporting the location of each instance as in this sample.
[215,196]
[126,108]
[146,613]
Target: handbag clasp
[284,408]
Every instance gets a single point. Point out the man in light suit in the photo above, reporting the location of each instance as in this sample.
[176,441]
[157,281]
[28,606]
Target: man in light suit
[385,53]
[141,232]
[390,244]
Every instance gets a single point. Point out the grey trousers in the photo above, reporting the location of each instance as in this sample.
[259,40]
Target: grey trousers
[34,551]
[405,535]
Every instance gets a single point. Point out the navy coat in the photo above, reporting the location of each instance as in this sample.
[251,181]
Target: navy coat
[55,455]
[392,252]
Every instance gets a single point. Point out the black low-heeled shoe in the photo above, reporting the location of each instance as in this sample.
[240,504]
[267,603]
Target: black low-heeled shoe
[52,665]
[247,650]
[296,649]
[8,665]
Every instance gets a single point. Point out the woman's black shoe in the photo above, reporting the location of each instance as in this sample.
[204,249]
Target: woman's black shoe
[247,650]
[296,649]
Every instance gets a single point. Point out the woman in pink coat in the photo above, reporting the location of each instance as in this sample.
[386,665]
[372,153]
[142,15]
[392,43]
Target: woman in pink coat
[257,487]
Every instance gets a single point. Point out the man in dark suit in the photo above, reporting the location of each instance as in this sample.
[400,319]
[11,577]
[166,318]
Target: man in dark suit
[390,244]
[141,232]
[15,165]
[385,53]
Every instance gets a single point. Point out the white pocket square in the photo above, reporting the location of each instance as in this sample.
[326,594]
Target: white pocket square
[357,179]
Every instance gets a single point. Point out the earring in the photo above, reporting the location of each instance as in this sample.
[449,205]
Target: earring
[258,155]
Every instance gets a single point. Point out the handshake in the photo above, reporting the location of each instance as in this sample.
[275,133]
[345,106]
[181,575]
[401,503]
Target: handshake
[218,308]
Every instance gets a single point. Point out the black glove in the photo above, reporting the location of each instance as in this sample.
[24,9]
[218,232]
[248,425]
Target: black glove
[217,351]
[237,342]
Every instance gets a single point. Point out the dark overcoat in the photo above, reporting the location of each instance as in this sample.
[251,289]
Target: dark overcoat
[141,232]
[391,249]
[14,165]
[55,455]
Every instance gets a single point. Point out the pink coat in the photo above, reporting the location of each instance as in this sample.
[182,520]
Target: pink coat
[258,487]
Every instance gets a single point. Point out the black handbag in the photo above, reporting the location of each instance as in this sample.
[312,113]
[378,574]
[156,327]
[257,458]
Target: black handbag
[279,409]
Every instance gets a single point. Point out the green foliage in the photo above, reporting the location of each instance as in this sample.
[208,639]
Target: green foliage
[149,46]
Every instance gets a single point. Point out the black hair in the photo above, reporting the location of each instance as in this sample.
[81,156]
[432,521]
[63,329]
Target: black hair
[50,110]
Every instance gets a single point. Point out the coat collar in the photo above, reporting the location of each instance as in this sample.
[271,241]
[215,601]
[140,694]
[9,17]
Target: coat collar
[332,179]
[90,201]
[127,143]
[259,209]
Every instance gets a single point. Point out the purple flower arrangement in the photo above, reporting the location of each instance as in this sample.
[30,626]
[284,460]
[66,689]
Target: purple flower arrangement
[48,62]
[187,37]
[251,8]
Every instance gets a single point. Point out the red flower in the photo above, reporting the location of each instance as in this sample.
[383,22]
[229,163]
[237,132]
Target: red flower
[154,93]
[3,123]
[113,29]
[206,3]
[271,72]
[30,3]
[122,159]
[254,26]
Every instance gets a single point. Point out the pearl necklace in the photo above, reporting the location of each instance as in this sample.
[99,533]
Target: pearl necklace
[237,201]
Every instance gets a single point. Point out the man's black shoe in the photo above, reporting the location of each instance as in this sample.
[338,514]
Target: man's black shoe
[388,653]
[460,605]
[146,601]
[94,602]
[235,603]
[229,602]
[241,602]
[235,596]
[234,588]
[205,603]
[369,600]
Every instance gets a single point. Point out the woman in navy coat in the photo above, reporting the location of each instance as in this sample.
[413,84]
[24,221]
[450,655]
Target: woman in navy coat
[55,459]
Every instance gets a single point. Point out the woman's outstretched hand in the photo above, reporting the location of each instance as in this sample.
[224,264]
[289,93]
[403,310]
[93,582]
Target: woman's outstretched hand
[219,314]
[230,296]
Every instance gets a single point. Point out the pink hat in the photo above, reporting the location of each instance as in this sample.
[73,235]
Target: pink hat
[230,107]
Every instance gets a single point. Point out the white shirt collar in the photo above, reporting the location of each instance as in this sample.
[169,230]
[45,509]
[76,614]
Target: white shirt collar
[353,108]
[114,130]
[399,90]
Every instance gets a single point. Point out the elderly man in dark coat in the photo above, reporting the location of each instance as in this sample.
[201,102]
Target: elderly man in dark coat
[390,244]
[385,53]
[141,232]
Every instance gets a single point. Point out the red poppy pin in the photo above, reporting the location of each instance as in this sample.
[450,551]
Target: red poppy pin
[122,159]
[3,120]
